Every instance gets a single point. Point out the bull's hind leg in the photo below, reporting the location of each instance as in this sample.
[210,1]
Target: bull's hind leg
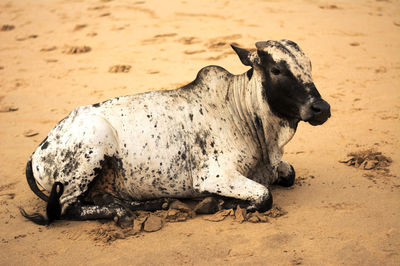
[73,157]
[96,145]
[80,212]
[106,206]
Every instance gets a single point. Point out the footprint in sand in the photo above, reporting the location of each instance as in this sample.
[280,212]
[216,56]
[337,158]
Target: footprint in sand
[8,186]
[79,27]
[329,7]
[220,43]
[199,15]
[97,7]
[194,51]
[6,108]
[48,49]
[30,133]
[77,49]
[32,36]
[119,69]
[7,196]
[91,34]
[7,27]
[159,38]
[189,40]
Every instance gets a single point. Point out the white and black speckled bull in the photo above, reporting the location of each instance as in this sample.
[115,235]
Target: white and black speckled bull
[221,134]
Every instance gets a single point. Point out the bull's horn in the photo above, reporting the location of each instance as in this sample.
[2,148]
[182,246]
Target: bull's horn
[261,45]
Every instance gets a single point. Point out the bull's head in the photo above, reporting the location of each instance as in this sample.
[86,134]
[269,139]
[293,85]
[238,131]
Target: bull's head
[287,84]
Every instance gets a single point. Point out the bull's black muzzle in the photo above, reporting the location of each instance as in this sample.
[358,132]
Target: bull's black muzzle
[320,112]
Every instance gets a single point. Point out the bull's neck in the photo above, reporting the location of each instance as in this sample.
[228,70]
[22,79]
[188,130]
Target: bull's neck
[253,118]
[241,95]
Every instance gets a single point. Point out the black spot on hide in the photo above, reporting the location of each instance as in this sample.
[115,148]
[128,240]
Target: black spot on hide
[202,142]
[293,44]
[45,145]
[249,73]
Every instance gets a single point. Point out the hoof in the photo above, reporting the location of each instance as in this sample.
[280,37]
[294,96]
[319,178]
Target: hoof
[264,206]
[287,181]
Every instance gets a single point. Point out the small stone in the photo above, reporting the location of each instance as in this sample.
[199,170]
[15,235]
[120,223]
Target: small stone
[347,159]
[172,212]
[253,219]
[138,224]
[208,205]
[164,206]
[182,218]
[368,165]
[178,205]
[174,215]
[153,223]
[240,214]
[275,212]
[125,222]
[261,217]
[229,212]
[219,216]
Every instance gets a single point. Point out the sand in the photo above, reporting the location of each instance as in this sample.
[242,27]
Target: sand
[57,55]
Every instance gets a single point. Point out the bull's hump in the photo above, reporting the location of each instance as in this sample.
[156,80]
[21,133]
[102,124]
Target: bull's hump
[210,77]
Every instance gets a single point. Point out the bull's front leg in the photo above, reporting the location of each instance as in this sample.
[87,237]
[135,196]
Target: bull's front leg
[286,174]
[232,184]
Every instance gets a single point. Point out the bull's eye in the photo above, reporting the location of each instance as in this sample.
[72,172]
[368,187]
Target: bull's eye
[275,71]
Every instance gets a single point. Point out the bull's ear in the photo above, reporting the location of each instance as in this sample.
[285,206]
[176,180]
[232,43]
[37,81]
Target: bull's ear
[243,54]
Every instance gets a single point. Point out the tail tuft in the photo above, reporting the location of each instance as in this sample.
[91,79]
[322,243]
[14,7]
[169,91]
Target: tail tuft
[53,209]
[37,218]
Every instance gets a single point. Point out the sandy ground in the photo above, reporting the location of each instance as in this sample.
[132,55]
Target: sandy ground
[336,214]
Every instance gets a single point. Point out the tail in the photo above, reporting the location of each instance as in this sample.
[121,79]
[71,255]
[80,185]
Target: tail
[32,182]
[53,209]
